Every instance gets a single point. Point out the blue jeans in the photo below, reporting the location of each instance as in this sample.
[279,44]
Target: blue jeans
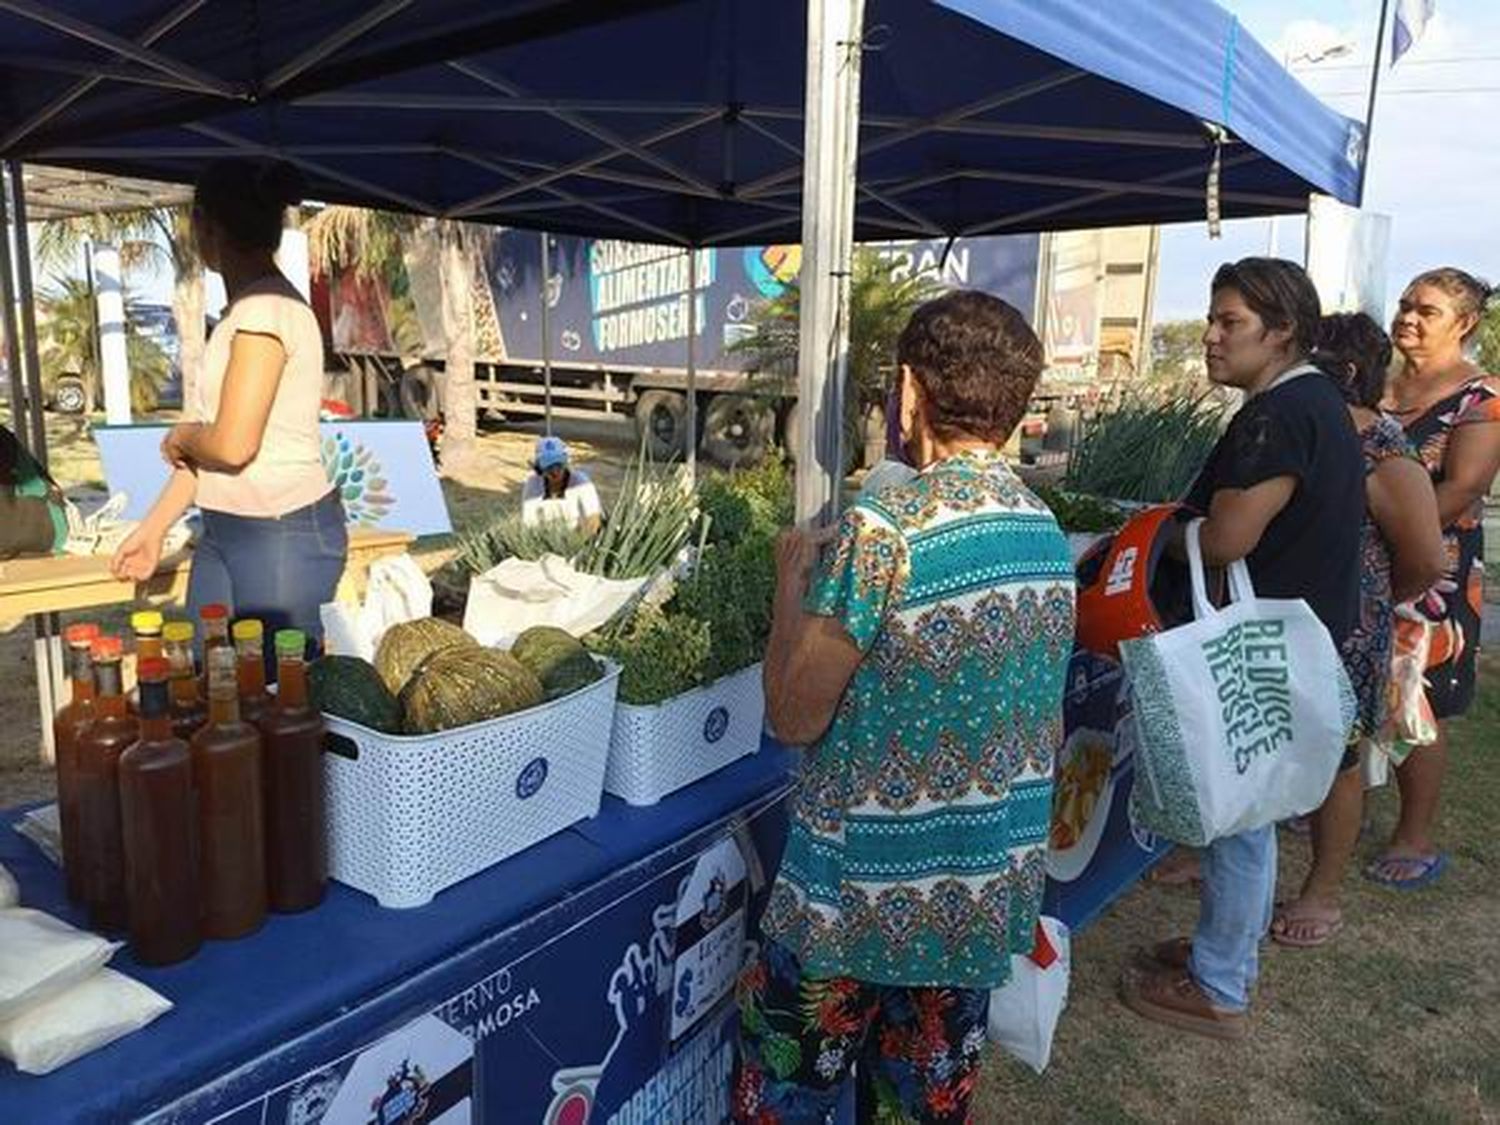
[1239,890]
[279,569]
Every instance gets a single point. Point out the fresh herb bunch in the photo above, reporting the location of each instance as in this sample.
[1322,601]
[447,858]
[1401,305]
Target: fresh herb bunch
[731,588]
[509,538]
[1081,513]
[730,515]
[660,654]
[1149,451]
[653,519]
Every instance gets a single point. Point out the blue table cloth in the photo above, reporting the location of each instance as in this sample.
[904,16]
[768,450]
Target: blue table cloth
[238,1002]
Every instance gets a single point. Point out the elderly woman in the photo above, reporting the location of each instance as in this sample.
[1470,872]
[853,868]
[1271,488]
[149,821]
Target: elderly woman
[924,671]
[1451,412]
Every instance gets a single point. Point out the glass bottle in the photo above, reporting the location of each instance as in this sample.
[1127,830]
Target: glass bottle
[146,624]
[213,620]
[188,712]
[296,849]
[231,813]
[250,653]
[159,827]
[67,728]
[99,749]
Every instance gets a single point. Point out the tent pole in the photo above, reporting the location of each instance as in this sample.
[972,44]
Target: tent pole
[830,151]
[692,366]
[35,434]
[9,321]
[547,333]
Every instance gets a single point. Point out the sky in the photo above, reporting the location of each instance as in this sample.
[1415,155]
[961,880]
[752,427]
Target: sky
[1435,149]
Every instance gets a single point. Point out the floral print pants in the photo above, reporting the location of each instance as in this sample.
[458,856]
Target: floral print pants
[916,1050]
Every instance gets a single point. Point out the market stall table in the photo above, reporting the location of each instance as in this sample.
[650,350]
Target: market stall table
[570,976]
[39,587]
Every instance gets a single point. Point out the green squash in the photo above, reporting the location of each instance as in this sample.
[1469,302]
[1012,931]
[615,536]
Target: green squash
[350,688]
[457,686]
[404,647]
[559,660]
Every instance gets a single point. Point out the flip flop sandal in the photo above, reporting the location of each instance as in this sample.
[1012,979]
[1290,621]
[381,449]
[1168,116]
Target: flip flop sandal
[1429,869]
[1323,930]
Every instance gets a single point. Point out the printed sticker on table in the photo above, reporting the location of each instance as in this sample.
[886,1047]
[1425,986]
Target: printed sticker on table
[710,935]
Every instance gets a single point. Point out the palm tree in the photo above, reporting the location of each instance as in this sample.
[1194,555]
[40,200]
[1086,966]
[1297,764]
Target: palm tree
[70,346]
[374,244]
[156,236]
[879,307]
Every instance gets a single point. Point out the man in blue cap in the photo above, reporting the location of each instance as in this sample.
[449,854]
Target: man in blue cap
[557,491]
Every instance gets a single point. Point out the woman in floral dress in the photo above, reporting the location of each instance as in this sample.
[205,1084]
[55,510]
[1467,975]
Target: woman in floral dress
[1451,412]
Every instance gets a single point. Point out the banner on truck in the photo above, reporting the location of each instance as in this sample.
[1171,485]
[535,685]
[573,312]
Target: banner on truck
[1347,252]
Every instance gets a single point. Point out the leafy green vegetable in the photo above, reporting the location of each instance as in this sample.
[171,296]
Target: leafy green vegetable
[509,538]
[1081,513]
[653,518]
[1145,450]
[660,654]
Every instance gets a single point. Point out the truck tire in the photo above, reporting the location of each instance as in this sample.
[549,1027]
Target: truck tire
[661,423]
[737,430]
[69,395]
[419,393]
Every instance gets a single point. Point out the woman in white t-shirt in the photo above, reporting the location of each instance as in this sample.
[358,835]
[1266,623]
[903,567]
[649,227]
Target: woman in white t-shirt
[247,454]
[557,491]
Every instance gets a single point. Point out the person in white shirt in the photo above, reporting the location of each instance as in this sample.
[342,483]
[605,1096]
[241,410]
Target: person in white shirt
[557,491]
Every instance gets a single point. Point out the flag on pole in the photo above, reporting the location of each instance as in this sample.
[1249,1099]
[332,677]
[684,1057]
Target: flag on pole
[1412,17]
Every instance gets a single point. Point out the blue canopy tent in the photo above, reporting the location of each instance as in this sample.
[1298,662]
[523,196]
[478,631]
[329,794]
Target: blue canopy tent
[686,122]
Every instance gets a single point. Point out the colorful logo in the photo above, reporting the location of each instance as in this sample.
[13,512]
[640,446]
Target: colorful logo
[359,479]
[715,726]
[404,1101]
[532,778]
[772,268]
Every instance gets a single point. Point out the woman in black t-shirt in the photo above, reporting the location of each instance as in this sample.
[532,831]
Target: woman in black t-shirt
[1283,490]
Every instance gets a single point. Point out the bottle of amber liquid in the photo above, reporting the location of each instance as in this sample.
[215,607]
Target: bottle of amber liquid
[188,712]
[250,652]
[231,811]
[159,827]
[213,620]
[296,851]
[146,624]
[67,729]
[99,749]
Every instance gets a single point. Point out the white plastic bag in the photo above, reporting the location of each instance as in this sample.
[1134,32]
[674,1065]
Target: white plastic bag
[93,1013]
[1024,1010]
[41,956]
[1241,715]
[510,598]
[397,591]
[10,893]
[102,531]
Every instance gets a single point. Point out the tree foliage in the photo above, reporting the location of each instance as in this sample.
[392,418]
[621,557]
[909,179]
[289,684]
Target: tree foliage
[1177,351]
[69,345]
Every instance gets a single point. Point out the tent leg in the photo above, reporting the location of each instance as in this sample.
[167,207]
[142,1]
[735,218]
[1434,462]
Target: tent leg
[830,148]
[547,331]
[36,428]
[692,366]
[9,322]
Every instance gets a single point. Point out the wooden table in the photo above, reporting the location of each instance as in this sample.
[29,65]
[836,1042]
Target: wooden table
[42,588]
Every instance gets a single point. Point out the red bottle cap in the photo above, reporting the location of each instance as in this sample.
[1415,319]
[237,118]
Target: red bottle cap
[213,611]
[84,633]
[108,648]
[154,668]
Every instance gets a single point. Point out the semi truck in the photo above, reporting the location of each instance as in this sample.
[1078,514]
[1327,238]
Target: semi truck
[611,337]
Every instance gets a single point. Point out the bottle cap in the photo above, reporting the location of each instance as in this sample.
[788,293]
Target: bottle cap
[248,630]
[146,621]
[108,648]
[84,633]
[153,668]
[176,632]
[214,611]
[291,642]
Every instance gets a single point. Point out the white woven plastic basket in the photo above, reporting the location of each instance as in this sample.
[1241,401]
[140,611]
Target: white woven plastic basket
[659,749]
[410,815]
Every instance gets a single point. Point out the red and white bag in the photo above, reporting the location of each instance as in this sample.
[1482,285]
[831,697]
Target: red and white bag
[1025,1009]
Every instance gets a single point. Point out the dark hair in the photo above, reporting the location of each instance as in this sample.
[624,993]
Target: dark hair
[1279,292]
[1471,293]
[246,198]
[1354,340]
[977,361]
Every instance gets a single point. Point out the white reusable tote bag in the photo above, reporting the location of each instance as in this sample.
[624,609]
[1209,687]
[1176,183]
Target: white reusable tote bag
[1242,715]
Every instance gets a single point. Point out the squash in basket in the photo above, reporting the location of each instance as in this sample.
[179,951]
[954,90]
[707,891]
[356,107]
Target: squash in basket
[456,686]
[404,647]
[558,658]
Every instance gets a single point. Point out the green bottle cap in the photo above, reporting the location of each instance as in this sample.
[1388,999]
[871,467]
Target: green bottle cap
[291,642]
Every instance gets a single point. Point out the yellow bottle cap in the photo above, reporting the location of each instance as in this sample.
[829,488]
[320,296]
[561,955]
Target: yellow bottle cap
[248,630]
[146,621]
[177,631]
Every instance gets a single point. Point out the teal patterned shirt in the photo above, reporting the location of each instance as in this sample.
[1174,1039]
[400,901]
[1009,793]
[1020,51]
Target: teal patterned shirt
[919,826]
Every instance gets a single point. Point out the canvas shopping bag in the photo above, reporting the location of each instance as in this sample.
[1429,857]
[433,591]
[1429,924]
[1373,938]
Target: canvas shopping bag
[1025,1009]
[1241,714]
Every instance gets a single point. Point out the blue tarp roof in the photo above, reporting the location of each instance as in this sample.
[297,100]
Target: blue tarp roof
[681,121]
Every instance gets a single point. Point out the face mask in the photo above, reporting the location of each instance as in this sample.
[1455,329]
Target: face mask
[895,447]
